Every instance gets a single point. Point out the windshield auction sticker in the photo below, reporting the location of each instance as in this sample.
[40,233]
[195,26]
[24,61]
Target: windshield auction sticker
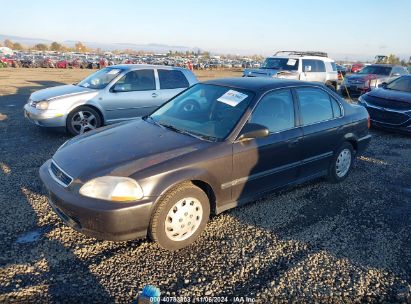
[291,61]
[232,98]
[113,71]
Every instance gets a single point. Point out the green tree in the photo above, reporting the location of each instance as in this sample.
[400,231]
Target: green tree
[55,46]
[41,47]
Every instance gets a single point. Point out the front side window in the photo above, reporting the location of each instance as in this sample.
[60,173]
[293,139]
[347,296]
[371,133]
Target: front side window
[315,105]
[172,79]
[205,110]
[275,111]
[138,80]
[100,79]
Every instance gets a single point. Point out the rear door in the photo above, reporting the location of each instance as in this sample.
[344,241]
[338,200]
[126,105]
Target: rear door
[319,113]
[171,82]
[267,163]
[133,95]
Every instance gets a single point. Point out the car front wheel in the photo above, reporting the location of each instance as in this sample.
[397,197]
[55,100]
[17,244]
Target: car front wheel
[180,217]
[83,119]
[342,163]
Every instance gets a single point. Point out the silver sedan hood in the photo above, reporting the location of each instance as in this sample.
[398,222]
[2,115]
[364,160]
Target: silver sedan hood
[59,91]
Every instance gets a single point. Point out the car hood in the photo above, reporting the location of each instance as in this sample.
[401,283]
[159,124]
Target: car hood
[123,150]
[390,95]
[59,91]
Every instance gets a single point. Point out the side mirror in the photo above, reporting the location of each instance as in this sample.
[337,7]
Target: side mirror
[382,85]
[119,88]
[307,68]
[253,130]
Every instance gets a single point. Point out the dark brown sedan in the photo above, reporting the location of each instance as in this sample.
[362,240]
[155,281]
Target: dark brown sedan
[217,145]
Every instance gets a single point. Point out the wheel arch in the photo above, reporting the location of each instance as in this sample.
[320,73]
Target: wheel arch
[92,106]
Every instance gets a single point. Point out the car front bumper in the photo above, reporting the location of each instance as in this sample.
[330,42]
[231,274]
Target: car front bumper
[44,118]
[97,218]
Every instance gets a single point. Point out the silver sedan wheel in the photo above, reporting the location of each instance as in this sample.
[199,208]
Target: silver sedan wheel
[83,121]
[343,163]
[183,219]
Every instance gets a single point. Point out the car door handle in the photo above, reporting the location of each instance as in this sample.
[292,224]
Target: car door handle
[293,142]
[154,95]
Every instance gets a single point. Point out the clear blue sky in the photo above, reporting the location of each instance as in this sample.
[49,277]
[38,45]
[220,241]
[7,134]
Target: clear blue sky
[361,27]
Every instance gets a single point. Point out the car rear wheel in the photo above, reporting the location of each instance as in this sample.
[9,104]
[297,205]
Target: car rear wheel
[342,163]
[83,119]
[180,217]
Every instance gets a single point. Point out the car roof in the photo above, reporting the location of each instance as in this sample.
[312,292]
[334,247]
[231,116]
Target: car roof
[144,66]
[259,84]
[326,59]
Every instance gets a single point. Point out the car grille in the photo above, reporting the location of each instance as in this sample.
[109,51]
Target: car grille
[381,115]
[389,104]
[59,175]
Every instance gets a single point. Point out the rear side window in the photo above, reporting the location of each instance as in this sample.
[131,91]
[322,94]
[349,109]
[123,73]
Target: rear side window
[316,65]
[275,111]
[172,79]
[315,105]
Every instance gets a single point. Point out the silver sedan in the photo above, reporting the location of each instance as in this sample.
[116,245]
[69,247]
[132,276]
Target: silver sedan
[113,94]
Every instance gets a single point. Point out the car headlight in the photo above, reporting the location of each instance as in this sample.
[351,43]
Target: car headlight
[113,188]
[42,105]
[361,99]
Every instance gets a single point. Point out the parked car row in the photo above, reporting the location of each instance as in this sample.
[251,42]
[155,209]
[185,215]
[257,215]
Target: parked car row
[95,61]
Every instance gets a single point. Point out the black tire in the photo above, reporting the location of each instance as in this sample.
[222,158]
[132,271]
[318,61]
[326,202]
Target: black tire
[335,174]
[86,110]
[157,228]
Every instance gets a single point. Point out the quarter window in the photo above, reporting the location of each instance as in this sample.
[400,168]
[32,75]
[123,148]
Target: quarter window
[172,79]
[139,80]
[275,111]
[315,105]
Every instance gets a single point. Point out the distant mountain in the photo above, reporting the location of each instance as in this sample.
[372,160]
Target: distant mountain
[151,47]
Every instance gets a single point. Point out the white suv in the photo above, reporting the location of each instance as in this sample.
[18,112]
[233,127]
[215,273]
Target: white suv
[308,66]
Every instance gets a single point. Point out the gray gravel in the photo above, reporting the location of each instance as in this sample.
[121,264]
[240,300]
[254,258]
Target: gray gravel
[319,242]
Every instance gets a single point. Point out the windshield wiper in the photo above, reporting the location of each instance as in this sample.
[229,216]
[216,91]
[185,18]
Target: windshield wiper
[153,121]
[192,134]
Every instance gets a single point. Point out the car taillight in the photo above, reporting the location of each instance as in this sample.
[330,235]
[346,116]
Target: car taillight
[369,122]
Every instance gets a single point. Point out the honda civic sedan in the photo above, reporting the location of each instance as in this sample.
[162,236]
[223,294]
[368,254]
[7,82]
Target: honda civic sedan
[164,174]
[113,94]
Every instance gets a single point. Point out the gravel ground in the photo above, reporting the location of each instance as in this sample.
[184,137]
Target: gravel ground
[319,242]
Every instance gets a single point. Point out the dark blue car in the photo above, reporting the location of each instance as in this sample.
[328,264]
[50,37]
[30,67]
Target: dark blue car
[389,106]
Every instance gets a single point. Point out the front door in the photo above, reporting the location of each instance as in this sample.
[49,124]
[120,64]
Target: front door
[133,95]
[267,163]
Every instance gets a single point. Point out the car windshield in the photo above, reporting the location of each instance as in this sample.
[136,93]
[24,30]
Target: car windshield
[207,111]
[378,70]
[400,84]
[286,64]
[100,79]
